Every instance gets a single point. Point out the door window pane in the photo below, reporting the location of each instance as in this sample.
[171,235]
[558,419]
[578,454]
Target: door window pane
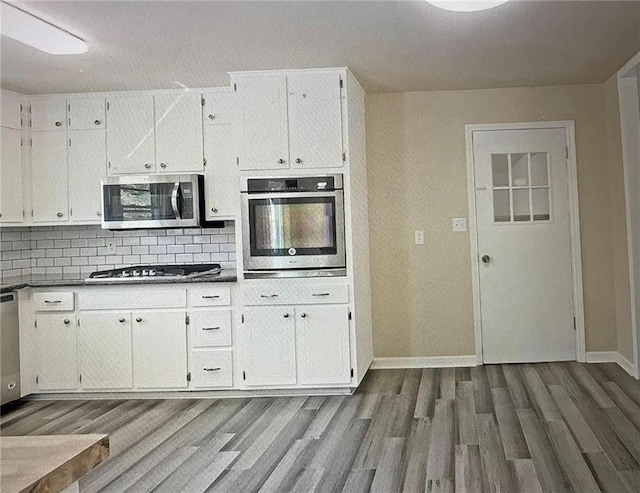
[521,205]
[501,206]
[519,170]
[500,170]
[540,199]
[539,169]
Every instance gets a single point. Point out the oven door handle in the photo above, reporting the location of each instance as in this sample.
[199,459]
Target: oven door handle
[291,195]
[174,200]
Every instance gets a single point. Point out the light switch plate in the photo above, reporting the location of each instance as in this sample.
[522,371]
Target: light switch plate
[419,237]
[459,224]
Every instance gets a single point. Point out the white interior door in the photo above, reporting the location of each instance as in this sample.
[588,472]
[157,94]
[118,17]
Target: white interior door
[524,245]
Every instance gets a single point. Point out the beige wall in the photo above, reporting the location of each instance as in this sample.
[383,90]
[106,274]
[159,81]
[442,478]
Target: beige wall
[618,219]
[422,296]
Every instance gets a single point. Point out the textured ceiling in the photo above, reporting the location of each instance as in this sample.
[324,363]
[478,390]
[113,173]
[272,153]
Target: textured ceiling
[390,46]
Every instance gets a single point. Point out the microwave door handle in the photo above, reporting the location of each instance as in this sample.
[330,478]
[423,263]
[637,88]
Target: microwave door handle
[174,200]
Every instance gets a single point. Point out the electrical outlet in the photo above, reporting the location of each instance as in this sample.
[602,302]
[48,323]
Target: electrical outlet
[459,224]
[419,237]
[111,246]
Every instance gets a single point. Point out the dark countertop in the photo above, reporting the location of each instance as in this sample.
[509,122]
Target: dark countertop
[13,284]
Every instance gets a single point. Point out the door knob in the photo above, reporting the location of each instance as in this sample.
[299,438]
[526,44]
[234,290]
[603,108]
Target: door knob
[486,259]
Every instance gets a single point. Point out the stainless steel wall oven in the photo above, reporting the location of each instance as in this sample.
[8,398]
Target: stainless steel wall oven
[293,226]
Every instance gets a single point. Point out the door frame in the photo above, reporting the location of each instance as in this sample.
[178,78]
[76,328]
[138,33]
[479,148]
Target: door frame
[574,225]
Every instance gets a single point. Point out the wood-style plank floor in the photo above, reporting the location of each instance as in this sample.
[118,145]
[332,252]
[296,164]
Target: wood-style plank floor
[503,428]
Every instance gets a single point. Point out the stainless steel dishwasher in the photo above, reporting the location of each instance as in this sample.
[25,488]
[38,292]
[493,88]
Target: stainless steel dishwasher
[9,348]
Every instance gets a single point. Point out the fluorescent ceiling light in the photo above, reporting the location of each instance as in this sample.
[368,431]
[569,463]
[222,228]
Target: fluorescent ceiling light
[30,30]
[466,5]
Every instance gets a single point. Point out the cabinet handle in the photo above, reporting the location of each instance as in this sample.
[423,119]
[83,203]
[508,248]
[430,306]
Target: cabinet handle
[268,296]
[210,296]
[67,321]
[298,160]
[97,122]
[147,166]
[211,117]
[280,161]
[286,315]
[138,319]
[210,328]
[163,165]
[59,214]
[303,315]
[321,294]
[122,320]
[52,302]
[212,369]
[58,124]
[214,210]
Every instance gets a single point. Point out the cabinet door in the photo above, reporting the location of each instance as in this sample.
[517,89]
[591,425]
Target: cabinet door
[10,110]
[86,114]
[57,355]
[322,334]
[159,350]
[264,140]
[271,346]
[11,205]
[179,133]
[222,194]
[315,120]
[212,368]
[130,135]
[104,350]
[48,114]
[219,107]
[87,164]
[49,197]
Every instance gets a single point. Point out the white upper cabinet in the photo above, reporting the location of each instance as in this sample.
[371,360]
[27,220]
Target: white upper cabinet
[87,164]
[264,142]
[315,120]
[179,133]
[49,199]
[86,114]
[10,110]
[290,121]
[219,107]
[11,204]
[130,134]
[47,114]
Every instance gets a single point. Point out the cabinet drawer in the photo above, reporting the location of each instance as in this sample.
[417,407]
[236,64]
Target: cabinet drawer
[211,328]
[323,294]
[210,296]
[117,299]
[267,295]
[212,368]
[54,301]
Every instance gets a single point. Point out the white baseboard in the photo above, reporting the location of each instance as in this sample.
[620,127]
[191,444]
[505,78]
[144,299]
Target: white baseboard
[424,362]
[611,357]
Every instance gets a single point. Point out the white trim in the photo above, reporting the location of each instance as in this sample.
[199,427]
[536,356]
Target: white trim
[423,362]
[574,217]
[611,357]
[629,124]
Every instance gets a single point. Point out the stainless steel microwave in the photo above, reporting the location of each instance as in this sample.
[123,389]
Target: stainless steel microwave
[152,201]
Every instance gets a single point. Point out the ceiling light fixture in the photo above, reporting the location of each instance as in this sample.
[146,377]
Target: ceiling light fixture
[37,33]
[466,5]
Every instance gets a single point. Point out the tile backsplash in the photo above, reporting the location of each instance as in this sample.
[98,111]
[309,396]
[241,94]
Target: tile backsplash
[74,252]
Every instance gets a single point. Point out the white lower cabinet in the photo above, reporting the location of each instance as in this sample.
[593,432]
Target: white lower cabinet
[212,368]
[159,349]
[104,350]
[56,341]
[270,346]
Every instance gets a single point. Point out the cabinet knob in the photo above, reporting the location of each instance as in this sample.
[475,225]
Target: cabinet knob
[147,166]
[303,315]
[97,122]
[122,320]
[163,165]
[214,210]
[138,319]
[286,315]
[298,160]
[59,214]
[98,214]
[0,214]
[280,161]
[211,117]
[67,321]
[58,124]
